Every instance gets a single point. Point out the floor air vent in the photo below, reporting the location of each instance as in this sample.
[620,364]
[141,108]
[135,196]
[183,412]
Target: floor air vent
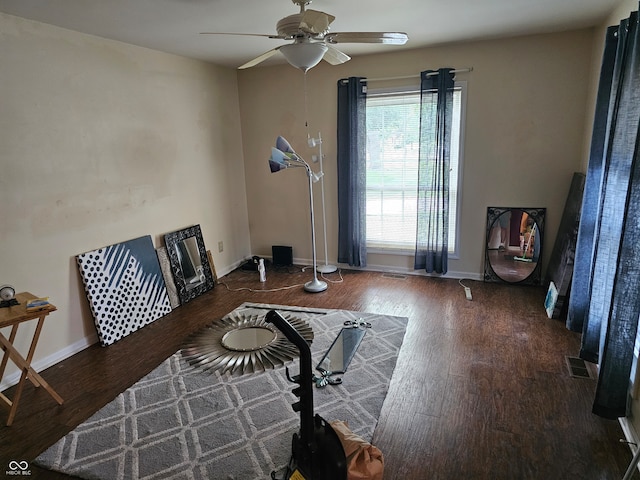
[397,276]
[578,368]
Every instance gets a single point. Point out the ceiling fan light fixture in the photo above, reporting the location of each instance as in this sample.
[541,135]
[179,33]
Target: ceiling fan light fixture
[312,42]
[304,55]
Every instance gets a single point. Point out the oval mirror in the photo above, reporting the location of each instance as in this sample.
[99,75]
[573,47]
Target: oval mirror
[514,245]
[248,339]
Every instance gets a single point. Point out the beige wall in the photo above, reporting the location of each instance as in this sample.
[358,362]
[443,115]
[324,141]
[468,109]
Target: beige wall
[525,128]
[622,11]
[102,142]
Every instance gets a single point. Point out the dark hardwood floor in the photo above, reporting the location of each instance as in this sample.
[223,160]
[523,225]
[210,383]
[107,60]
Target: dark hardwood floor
[481,389]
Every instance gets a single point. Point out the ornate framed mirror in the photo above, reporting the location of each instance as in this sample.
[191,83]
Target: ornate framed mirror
[241,343]
[513,245]
[189,263]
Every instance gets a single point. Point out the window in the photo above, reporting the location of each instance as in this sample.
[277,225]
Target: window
[393,122]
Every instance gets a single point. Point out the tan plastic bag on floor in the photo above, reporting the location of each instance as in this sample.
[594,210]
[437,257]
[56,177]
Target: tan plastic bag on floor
[364,461]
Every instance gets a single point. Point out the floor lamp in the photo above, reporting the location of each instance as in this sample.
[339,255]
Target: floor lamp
[317,142]
[283,156]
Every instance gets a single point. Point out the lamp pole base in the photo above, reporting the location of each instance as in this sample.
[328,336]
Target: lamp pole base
[326,269]
[315,286]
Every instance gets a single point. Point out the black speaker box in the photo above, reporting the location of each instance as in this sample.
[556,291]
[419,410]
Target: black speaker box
[282,256]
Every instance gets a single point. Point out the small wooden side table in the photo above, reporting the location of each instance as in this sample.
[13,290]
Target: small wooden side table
[13,317]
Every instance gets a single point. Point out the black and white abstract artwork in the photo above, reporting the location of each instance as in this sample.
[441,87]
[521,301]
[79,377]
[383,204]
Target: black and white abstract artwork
[125,287]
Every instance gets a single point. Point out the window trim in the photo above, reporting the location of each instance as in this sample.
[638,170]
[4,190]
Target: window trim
[408,89]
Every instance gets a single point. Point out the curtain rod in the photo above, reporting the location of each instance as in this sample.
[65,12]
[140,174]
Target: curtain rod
[385,79]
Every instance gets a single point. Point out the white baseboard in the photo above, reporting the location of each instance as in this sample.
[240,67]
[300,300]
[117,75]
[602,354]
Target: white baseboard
[226,270]
[417,273]
[389,269]
[379,268]
[52,359]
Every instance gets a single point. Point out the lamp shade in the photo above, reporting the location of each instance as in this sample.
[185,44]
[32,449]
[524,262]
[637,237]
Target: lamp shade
[283,145]
[277,161]
[305,55]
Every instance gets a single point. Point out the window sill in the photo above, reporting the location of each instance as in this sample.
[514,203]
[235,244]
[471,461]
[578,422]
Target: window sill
[391,251]
[405,252]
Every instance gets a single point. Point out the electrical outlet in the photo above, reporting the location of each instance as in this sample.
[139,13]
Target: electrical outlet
[220,246]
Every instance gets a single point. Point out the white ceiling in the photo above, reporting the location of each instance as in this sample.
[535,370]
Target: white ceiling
[173,25]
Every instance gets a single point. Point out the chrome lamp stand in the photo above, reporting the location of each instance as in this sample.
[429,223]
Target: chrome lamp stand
[283,156]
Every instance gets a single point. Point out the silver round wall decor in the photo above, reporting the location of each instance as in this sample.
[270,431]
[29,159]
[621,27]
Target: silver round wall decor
[239,343]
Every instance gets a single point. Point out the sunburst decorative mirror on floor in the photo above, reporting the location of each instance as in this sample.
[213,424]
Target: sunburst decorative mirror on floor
[243,343]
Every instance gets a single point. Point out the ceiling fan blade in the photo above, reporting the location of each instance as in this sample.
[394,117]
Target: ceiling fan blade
[279,37]
[334,56]
[315,21]
[391,38]
[259,59]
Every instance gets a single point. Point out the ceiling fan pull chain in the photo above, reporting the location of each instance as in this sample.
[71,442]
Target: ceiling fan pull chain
[306,107]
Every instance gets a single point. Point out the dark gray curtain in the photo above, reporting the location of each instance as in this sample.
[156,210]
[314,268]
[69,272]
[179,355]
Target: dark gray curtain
[352,241]
[606,298]
[589,220]
[436,105]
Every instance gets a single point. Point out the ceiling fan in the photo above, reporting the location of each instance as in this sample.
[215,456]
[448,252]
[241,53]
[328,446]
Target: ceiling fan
[312,41]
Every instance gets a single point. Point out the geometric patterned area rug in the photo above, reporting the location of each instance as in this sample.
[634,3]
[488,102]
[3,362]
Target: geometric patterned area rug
[181,423]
